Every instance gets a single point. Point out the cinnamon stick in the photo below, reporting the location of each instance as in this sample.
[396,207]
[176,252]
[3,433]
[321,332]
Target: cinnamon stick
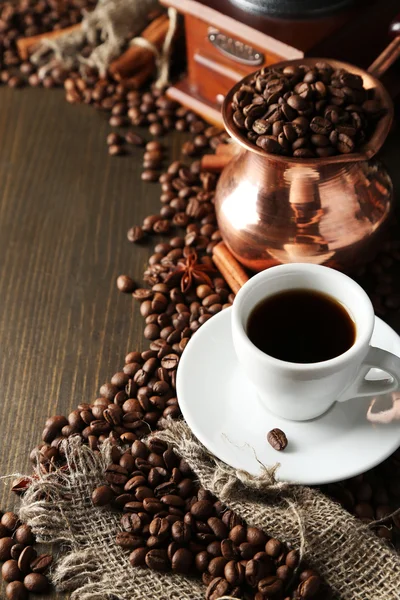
[215,162]
[138,57]
[137,81]
[231,270]
[26,45]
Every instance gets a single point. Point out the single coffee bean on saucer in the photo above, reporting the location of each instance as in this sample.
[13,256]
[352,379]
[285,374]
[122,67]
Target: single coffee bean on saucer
[277,439]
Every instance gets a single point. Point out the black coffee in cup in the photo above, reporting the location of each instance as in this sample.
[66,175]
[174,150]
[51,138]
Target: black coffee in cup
[301,326]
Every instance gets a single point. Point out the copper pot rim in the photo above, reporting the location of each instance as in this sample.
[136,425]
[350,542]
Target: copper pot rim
[368,150]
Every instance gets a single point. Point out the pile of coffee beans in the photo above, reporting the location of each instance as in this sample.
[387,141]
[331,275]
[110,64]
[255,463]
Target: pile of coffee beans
[23,569]
[169,523]
[149,108]
[27,18]
[305,111]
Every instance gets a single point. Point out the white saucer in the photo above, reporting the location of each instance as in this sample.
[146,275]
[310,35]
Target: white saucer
[221,407]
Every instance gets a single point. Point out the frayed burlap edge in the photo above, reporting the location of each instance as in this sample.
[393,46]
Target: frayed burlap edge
[59,509]
[113,21]
[355,563]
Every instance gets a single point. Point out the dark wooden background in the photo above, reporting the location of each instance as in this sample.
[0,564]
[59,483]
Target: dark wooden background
[65,207]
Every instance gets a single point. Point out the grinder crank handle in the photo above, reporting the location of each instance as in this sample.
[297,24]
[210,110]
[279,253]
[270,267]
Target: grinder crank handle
[390,54]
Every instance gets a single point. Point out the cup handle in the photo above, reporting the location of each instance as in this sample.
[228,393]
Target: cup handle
[375,359]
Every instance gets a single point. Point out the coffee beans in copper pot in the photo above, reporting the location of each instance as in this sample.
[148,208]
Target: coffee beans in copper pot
[306,111]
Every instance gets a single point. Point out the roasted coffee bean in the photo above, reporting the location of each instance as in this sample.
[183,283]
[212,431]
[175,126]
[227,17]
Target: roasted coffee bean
[214,548]
[273,547]
[114,139]
[16,591]
[364,511]
[4,532]
[10,521]
[116,150]
[217,588]
[234,573]
[152,505]
[159,527]
[257,569]
[231,520]
[102,495]
[182,561]
[150,175]
[6,544]
[270,586]
[269,143]
[218,527]
[201,509]
[135,234]
[202,561]
[41,563]
[157,559]
[345,144]
[284,572]
[277,439]
[309,588]
[133,138]
[229,550]
[125,284]
[36,583]
[217,565]
[173,500]
[292,559]
[256,537]
[238,534]
[137,558]
[247,551]
[16,551]
[128,540]
[115,475]
[10,571]
[23,535]
[25,559]
[181,532]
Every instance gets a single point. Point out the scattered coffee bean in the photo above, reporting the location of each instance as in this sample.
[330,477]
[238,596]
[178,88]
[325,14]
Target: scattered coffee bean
[125,284]
[41,563]
[16,591]
[133,138]
[277,439]
[25,559]
[149,175]
[23,535]
[116,150]
[114,139]
[36,583]
[136,234]
[10,521]
[10,571]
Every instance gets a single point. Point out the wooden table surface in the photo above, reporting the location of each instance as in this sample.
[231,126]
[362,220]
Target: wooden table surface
[65,207]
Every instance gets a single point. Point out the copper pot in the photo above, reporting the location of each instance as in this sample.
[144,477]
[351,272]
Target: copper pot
[274,209]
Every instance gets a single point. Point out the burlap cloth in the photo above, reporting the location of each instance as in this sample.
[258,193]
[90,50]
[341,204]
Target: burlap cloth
[355,563]
[107,29]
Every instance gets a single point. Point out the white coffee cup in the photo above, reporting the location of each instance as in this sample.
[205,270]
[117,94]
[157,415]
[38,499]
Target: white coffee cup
[298,391]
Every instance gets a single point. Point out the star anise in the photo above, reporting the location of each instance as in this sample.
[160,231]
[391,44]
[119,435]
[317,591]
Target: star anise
[188,271]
